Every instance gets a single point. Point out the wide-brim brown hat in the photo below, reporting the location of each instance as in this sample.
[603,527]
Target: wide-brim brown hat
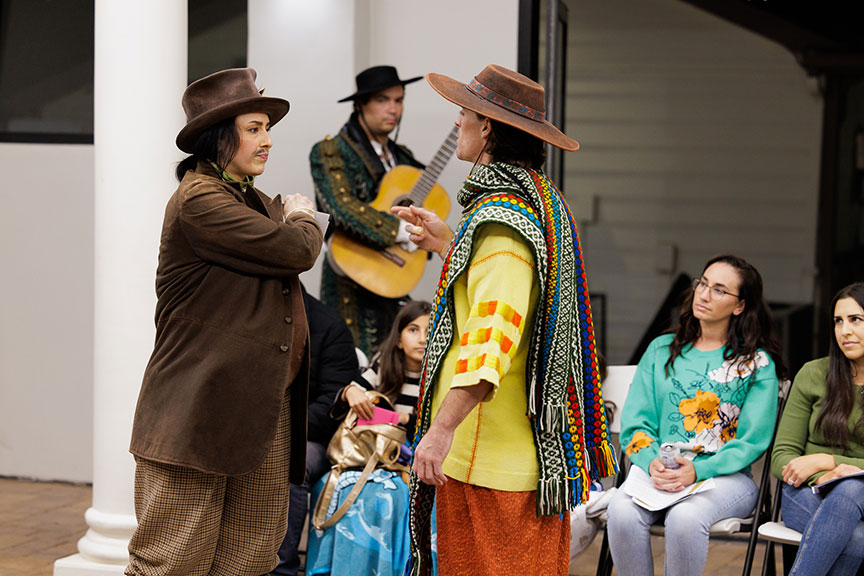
[505,96]
[376,79]
[222,95]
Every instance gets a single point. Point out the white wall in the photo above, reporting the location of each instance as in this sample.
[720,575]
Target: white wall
[450,37]
[46,306]
[303,52]
[309,53]
[697,136]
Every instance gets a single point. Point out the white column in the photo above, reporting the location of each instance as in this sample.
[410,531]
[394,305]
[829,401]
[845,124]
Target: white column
[140,74]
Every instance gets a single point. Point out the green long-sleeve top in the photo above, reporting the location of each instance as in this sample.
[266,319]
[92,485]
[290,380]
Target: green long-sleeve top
[797,434]
[723,411]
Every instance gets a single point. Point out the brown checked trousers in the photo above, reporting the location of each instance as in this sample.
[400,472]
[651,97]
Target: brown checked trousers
[192,523]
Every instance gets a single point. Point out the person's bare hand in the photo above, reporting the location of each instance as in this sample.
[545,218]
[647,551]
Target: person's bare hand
[359,402]
[429,232]
[429,456]
[672,479]
[799,469]
[839,471]
[294,201]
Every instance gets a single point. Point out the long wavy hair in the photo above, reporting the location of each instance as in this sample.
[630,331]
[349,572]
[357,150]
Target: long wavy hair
[391,358]
[747,332]
[840,391]
[218,143]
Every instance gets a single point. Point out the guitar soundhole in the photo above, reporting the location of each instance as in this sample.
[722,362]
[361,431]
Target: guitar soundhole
[403,201]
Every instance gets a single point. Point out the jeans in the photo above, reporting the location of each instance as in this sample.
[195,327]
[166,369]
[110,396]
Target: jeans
[317,465]
[832,527]
[687,524]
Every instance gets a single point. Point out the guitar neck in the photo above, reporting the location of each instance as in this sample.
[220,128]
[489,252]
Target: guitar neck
[433,170]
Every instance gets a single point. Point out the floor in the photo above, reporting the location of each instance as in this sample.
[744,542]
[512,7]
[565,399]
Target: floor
[39,522]
[42,521]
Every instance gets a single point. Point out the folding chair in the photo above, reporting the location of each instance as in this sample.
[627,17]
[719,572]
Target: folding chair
[775,531]
[725,527]
[615,388]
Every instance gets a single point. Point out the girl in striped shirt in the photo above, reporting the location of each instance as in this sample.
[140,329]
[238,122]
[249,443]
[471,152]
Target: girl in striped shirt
[372,536]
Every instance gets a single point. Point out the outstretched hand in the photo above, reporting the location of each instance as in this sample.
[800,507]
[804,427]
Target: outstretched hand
[426,229]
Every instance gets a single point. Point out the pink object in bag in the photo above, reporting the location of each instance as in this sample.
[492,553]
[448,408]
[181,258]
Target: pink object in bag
[382,416]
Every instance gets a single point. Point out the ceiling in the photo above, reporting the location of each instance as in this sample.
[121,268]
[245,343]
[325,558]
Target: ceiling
[824,36]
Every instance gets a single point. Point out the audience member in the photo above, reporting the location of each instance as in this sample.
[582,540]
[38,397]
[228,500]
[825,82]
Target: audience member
[372,537]
[821,438]
[710,388]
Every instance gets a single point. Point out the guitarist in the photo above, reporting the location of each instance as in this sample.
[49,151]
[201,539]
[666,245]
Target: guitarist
[347,170]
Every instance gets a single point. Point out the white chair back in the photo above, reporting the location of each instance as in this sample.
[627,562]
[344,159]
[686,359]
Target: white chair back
[615,388]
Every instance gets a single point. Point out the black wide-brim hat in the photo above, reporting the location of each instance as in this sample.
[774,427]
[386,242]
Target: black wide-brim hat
[505,96]
[223,95]
[376,79]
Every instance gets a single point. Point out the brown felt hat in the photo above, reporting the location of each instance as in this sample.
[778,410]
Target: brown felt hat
[223,95]
[505,96]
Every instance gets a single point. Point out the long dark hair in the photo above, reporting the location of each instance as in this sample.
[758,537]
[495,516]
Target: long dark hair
[391,358]
[747,332]
[218,143]
[840,392]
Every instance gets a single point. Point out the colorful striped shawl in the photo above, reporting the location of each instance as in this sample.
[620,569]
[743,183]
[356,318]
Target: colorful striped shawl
[564,400]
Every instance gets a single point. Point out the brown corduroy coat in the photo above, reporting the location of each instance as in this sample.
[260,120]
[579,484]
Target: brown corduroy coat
[231,332]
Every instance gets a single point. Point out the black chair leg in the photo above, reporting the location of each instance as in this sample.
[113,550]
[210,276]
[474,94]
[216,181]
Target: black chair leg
[768,560]
[789,553]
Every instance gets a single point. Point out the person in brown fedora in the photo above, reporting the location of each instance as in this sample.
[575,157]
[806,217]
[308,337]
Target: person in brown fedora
[220,427]
[511,427]
[347,169]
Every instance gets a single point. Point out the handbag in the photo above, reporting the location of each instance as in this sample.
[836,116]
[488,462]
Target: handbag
[352,446]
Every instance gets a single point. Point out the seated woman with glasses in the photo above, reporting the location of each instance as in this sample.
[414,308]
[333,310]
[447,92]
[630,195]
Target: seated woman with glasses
[710,389]
[821,438]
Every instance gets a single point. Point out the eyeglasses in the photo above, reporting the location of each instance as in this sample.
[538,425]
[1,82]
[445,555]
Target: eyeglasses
[716,293]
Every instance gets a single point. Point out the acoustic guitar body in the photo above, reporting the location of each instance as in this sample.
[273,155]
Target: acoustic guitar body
[392,272]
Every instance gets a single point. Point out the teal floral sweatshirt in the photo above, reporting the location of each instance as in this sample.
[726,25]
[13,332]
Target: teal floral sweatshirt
[722,412]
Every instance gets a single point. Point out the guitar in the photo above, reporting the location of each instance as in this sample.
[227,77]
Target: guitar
[394,272]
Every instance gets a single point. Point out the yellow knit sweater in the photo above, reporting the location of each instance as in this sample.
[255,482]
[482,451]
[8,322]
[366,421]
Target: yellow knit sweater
[495,303]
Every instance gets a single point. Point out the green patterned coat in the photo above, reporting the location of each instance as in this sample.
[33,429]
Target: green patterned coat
[346,172]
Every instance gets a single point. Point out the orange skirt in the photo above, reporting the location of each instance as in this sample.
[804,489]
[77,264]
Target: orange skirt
[491,532]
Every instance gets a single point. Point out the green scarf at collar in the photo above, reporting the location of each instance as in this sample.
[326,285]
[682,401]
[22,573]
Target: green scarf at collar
[226,177]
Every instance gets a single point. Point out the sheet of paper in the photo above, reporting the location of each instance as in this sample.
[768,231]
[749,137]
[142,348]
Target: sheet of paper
[640,487]
[323,220]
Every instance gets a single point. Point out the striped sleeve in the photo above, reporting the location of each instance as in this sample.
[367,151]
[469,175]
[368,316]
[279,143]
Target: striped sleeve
[500,277]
